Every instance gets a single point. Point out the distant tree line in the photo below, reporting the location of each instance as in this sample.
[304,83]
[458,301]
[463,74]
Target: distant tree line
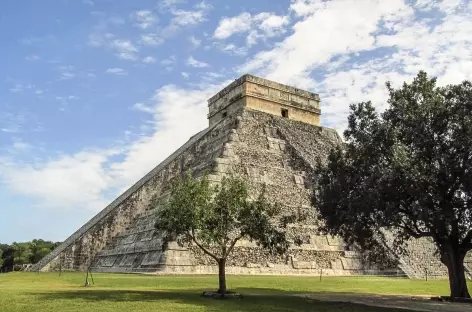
[18,254]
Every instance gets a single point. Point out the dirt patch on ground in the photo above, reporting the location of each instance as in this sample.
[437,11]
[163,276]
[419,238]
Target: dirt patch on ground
[415,303]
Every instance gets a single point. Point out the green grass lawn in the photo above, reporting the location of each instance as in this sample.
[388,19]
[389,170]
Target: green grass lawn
[40,292]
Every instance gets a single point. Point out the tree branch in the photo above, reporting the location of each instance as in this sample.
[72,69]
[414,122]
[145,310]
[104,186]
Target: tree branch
[192,236]
[230,249]
[415,224]
[417,233]
[467,240]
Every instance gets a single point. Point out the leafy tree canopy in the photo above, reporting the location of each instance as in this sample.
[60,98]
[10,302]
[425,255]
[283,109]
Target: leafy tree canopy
[215,218]
[24,253]
[408,171]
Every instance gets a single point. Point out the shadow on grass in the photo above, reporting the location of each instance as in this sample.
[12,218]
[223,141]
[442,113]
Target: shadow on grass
[253,300]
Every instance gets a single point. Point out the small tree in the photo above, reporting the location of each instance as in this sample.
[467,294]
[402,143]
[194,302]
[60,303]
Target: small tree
[215,218]
[408,171]
[2,247]
[8,259]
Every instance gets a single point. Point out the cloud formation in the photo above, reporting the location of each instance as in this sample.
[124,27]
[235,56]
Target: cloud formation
[395,42]
[144,19]
[125,49]
[260,26]
[97,178]
[194,63]
[117,71]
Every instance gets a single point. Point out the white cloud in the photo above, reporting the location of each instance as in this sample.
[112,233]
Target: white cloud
[229,26]
[102,34]
[125,49]
[185,18]
[21,146]
[334,28]
[185,75]
[165,4]
[151,39]
[19,87]
[306,7]
[194,63]
[181,19]
[13,121]
[97,39]
[168,61]
[262,25]
[272,24]
[211,77]
[143,108]
[50,182]
[102,37]
[233,49]
[66,76]
[66,72]
[37,40]
[144,19]
[203,6]
[65,98]
[17,147]
[32,58]
[116,71]
[194,41]
[148,59]
[65,67]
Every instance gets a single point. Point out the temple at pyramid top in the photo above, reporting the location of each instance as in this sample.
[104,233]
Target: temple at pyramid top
[266,96]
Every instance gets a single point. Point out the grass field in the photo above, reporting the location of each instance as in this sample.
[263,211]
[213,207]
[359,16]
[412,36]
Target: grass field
[40,292]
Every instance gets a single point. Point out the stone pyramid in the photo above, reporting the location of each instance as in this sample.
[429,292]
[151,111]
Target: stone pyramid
[261,129]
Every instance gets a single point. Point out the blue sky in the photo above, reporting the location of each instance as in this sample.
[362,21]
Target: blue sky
[95,93]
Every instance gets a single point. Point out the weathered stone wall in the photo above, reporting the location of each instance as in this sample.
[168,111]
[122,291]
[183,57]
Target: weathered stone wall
[265,96]
[78,256]
[294,112]
[420,258]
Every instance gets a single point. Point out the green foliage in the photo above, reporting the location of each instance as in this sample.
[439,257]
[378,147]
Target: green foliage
[215,218]
[2,248]
[408,170]
[220,215]
[24,253]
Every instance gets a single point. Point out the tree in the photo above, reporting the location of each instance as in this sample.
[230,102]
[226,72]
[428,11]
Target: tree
[2,248]
[7,259]
[215,218]
[24,253]
[39,249]
[408,171]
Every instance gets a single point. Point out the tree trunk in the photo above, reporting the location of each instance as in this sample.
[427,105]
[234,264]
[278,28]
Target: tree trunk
[222,276]
[454,260]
